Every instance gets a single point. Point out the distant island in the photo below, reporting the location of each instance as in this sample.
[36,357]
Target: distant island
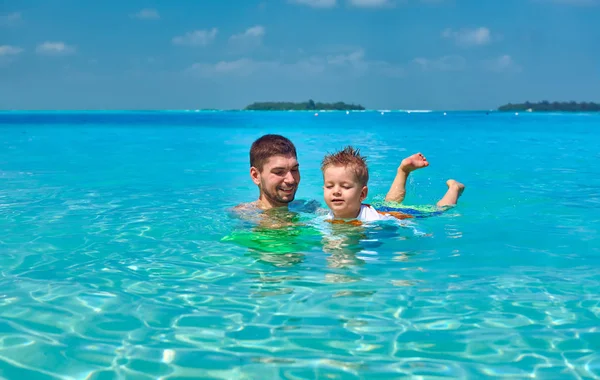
[303,106]
[552,107]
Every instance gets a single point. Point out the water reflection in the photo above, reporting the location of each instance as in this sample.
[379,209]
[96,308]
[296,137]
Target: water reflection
[276,237]
[344,243]
[284,238]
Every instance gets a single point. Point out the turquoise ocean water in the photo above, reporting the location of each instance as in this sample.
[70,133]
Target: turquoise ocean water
[117,258]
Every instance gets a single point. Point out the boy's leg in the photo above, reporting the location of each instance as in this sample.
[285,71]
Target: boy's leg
[398,189]
[455,190]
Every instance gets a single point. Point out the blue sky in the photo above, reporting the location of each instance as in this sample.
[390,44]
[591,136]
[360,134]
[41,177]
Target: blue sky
[384,54]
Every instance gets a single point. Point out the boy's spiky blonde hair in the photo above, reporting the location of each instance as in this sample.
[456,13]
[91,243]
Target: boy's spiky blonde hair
[348,157]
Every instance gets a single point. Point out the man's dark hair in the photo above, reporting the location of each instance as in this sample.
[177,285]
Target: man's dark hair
[268,146]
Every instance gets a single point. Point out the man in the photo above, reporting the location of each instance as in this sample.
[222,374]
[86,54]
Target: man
[275,170]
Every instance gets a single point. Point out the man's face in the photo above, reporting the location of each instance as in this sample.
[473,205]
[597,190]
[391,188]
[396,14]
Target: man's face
[278,180]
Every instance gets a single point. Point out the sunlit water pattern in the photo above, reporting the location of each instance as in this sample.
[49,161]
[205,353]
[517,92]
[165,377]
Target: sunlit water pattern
[117,258]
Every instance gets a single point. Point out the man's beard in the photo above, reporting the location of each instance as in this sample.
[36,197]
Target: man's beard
[274,197]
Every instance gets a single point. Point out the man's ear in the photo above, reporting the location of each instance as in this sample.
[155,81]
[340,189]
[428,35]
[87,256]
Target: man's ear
[363,193]
[255,175]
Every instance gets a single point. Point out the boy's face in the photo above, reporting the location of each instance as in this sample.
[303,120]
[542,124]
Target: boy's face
[278,179]
[342,192]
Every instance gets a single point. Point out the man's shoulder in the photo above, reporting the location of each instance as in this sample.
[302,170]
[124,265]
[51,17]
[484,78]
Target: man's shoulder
[245,211]
[303,205]
[245,207]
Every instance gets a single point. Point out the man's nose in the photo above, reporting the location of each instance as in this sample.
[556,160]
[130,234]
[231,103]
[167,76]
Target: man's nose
[289,178]
[337,191]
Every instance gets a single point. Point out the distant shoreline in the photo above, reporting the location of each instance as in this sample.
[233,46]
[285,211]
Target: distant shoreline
[546,106]
[313,107]
[310,105]
[214,110]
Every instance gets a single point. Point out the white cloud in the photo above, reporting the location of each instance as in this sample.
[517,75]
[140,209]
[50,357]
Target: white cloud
[54,48]
[388,69]
[8,50]
[349,64]
[147,14]
[469,37]
[10,19]
[227,67]
[352,58]
[240,67]
[253,32]
[352,61]
[370,3]
[446,63]
[252,37]
[196,37]
[245,67]
[504,63]
[316,3]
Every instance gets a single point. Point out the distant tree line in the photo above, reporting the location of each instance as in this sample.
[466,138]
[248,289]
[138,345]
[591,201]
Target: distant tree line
[303,106]
[554,106]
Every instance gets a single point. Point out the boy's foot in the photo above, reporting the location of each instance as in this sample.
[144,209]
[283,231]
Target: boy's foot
[455,190]
[452,184]
[414,162]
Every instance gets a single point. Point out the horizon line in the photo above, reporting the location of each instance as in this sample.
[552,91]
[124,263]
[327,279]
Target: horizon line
[245,110]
